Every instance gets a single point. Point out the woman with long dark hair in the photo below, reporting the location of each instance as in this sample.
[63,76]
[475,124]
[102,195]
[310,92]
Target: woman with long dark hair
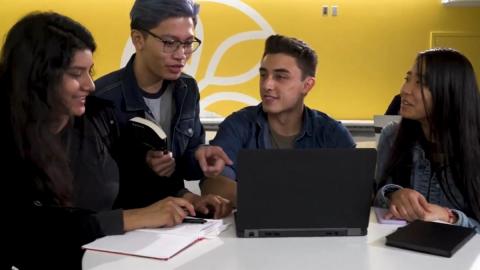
[59,150]
[429,164]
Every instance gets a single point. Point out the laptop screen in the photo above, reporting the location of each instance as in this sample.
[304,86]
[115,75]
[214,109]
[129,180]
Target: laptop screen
[304,191]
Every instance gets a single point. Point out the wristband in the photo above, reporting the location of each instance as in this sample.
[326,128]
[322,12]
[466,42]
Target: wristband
[452,216]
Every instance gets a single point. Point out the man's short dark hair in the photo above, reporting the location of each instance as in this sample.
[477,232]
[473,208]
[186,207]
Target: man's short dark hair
[147,14]
[304,55]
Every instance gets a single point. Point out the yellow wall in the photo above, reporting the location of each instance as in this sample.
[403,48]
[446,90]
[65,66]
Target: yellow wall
[364,52]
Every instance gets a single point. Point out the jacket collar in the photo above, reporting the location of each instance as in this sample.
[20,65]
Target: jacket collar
[179,93]
[307,123]
[132,93]
[307,126]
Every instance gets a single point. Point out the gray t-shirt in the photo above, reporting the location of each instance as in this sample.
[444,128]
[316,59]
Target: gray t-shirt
[282,142]
[162,108]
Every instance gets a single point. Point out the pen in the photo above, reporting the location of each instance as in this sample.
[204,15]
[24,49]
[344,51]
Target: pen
[194,220]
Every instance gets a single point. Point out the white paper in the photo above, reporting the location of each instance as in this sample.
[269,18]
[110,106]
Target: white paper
[161,243]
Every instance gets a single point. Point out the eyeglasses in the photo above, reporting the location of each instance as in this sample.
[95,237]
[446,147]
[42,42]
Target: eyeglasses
[172,45]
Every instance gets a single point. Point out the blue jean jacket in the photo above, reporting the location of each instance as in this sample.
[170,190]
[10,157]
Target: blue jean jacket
[422,179]
[248,129]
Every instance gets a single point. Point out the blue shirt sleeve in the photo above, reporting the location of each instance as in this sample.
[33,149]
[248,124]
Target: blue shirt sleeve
[465,221]
[381,200]
[230,137]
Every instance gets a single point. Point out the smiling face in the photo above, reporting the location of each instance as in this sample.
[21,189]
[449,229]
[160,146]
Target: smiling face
[282,87]
[155,61]
[76,83]
[414,105]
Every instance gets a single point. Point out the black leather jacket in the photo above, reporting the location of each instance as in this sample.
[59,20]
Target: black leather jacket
[40,234]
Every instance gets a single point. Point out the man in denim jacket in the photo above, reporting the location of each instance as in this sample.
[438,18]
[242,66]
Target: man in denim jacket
[287,74]
[153,86]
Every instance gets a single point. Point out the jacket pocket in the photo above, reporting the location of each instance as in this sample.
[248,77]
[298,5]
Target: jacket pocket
[185,127]
[184,132]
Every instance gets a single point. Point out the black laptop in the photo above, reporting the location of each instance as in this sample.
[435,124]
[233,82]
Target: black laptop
[304,192]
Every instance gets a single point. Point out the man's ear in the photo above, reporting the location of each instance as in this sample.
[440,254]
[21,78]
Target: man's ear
[308,84]
[138,39]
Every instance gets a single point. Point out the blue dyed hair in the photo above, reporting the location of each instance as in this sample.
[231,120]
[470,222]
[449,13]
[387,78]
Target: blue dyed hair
[147,14]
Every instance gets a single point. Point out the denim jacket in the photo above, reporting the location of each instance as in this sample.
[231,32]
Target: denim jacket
[140,186]
[248,129]
[421,178]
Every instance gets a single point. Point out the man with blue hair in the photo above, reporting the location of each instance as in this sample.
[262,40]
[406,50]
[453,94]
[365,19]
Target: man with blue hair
[153,86]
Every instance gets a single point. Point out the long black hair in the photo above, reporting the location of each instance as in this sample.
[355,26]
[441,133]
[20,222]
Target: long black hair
[454,122]
[37,51]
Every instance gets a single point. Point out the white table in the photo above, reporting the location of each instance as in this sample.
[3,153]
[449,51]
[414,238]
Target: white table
[230,252]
